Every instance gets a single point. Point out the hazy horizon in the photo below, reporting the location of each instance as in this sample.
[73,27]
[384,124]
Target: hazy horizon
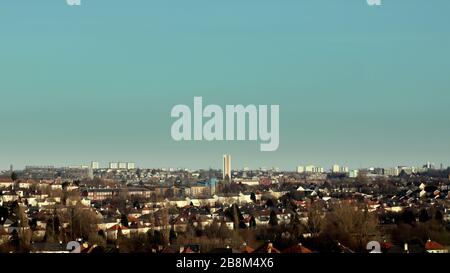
[218,167]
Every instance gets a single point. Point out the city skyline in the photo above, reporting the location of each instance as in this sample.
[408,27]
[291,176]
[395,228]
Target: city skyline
[220,166]
[357,85]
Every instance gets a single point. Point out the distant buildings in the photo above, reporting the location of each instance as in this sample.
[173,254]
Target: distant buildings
[313,169]
[113,165]
[100,194]
[396,171]
[122,165]
[249,182]
[335,169]
[310,169]
[339,169]
[429,166]
[226,167]
[353,173]
[51,172]
[199,190]
[212,185]
[392,171]
[95,165]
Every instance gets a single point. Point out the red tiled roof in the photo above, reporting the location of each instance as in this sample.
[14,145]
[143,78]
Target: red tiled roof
[117,227]
[136,225]
[247,249]
[132,219]
[386,245]
[5,179]
[266,248]
[297,249]
[188,250]
[431,245]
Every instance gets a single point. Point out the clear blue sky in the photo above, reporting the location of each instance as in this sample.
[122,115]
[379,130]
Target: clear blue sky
[356,85]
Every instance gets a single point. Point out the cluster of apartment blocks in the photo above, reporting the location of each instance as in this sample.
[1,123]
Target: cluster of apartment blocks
[336,169]
[115,165]
[95,165]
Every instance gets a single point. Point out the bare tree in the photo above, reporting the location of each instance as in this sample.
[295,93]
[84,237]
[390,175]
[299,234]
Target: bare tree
[315,219]
[83,222]
[351,225]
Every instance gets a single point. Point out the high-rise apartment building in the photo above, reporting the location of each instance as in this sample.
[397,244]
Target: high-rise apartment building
[335,169]
[95,165]
[212,185]
[339,169]
[392,171]
[353,173]
[226,167]
[313,169]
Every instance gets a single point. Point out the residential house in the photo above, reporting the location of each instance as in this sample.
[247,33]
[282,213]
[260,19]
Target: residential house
[113,232]
[299,248]
[6,183]
[434,247]
[100,194]
[267,248]
[4,235]
[199,190]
